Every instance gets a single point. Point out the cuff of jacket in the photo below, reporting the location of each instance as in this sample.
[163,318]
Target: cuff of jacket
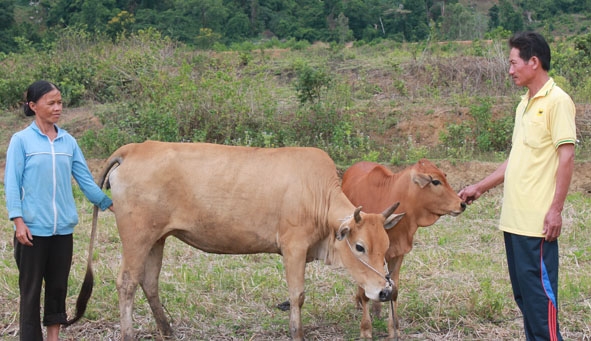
[105,203]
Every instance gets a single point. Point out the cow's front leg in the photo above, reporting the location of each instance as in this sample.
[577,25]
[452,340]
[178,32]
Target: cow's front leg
[363,302]
[295,266]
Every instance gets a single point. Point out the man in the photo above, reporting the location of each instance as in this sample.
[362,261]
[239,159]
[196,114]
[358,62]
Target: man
[536,178]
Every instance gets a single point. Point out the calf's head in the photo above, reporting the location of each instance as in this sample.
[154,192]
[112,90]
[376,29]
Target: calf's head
[361,243]
[431,194]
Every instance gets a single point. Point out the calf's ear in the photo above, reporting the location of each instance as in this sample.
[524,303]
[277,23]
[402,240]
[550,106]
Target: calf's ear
[392,220]
[420,179]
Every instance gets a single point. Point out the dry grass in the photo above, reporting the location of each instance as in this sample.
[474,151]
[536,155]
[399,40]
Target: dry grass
[454,286]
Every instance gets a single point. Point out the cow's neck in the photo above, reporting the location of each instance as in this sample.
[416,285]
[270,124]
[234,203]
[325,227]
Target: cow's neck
[401,237]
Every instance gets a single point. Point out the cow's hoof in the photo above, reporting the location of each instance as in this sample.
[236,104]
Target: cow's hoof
[284,306]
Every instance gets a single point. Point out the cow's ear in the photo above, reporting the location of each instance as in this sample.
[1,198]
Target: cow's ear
[343,232]
[392,220]
[357,214]
[420,179]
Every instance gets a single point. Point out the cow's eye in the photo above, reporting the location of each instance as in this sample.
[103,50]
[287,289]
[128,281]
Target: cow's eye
[436,182]
[359,248]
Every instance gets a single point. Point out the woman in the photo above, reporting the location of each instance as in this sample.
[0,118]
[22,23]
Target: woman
[40,162]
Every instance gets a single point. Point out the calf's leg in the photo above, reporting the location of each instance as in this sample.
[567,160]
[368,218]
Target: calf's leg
[393,324]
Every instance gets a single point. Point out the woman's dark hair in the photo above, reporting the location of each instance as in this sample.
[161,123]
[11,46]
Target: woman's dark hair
[531,44]
[36,91]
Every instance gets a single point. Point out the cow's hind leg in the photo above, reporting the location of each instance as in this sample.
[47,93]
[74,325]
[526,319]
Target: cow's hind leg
[127,282]
[149,284]
[133,260]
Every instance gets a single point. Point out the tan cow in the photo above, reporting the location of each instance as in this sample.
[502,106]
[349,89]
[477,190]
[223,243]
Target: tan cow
[424,194]
[237,200]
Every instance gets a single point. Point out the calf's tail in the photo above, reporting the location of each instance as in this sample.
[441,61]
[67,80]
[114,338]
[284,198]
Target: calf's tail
[87,285]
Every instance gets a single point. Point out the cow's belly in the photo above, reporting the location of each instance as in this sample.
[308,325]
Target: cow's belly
[228,242]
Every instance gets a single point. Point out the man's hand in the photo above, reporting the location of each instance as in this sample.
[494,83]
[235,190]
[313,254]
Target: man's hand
[470,194]
[552,225]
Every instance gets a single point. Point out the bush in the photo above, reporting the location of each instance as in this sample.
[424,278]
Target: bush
[311,83]
[483,134]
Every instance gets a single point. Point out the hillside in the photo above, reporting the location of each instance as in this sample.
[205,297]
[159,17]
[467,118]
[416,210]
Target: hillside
[460,174]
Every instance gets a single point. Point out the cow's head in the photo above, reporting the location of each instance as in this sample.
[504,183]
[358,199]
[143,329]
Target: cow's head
[431,194]
[362,242]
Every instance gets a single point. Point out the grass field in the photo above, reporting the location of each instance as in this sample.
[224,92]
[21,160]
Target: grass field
[454,286]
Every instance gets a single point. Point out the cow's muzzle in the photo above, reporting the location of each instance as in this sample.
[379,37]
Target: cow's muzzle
[390,292]
[386,294]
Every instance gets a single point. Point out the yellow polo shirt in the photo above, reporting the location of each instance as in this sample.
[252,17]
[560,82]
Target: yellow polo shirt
[542,124]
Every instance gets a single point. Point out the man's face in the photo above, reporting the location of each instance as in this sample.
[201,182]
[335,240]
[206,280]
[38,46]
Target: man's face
[521,71]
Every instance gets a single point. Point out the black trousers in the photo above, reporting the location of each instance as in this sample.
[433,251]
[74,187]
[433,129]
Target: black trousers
[48,260]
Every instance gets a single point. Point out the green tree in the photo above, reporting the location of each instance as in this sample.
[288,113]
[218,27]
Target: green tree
[493,17]
[509,17]
[6,14]
[279,18]
[311,21]
[206,38]
[238,27]
[415,25]
[120,24]
[92,14]
[460,23]
[6,25]
[192,15]
[361,16]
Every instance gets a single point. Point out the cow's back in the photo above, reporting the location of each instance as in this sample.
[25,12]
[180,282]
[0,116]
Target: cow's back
[224,199]
[365,183]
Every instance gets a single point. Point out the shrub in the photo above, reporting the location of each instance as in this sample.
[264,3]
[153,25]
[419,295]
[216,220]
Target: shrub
[311,83]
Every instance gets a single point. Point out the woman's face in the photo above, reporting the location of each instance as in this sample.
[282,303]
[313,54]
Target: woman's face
[49,107]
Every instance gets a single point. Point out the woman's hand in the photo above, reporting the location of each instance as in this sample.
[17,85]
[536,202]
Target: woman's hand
[23,234]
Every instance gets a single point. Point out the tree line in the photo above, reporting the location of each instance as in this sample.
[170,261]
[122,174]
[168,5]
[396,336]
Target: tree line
[204,23]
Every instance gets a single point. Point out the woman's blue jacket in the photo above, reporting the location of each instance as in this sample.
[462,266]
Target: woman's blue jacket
[38,181]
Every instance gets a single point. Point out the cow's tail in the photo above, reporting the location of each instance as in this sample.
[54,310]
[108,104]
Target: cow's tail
[87,285]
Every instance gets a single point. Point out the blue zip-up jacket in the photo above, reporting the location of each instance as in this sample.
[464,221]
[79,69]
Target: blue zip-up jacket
[38,181]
